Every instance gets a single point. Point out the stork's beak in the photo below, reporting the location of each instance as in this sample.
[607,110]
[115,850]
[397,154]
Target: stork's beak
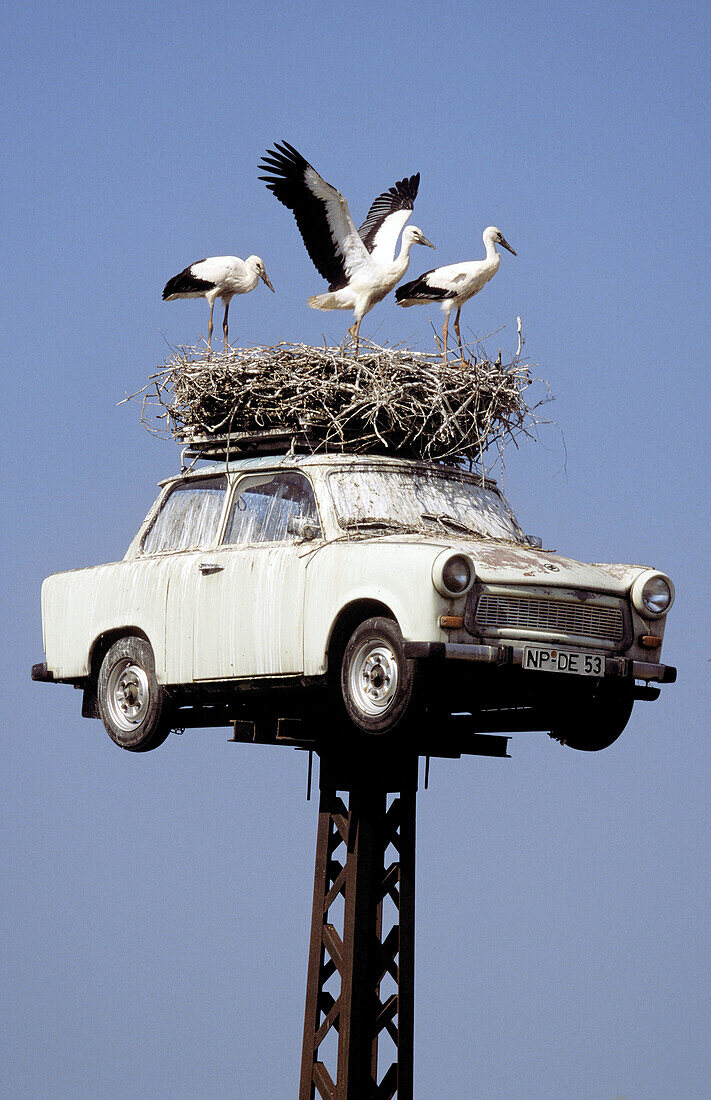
[423,240]
[505,244]
[265,279]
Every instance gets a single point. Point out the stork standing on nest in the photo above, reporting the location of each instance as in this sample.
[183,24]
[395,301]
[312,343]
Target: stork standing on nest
[219,277]
[455,284]
[359,264]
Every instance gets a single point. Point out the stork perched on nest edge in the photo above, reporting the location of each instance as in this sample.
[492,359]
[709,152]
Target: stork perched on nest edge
[360,264]
[218,277]
[454,284]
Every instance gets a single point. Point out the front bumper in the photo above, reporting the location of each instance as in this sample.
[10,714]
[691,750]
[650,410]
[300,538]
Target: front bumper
[512,656]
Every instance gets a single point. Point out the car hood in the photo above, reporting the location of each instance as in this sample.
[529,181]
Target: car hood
[510,563]
[506,563]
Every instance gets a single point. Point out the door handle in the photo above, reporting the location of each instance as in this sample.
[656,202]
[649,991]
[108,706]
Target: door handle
[208,567]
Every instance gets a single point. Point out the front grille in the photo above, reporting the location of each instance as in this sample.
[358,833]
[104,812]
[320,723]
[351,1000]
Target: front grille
[586,620]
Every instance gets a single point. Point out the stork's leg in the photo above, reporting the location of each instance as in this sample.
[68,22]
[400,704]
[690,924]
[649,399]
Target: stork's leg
[459,335]
[224,320]
[444,337]
[356,330]
[353,333]
[209,325]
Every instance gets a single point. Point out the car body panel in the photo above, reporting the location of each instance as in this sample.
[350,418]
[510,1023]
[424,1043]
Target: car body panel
[81,605]
[247,618]
[396,572]
[248,612]
[509,564]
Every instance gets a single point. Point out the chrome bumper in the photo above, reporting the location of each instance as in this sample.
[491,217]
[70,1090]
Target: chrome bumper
[512,655]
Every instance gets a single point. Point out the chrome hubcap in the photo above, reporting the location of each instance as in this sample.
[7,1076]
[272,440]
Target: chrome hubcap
[373,676]
[128,695]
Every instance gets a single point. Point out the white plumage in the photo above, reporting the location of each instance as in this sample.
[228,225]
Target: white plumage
[454,284]
[218,277]
[359,264]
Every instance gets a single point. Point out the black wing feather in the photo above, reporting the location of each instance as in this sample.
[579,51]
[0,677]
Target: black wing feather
[400,197]
[287,182]
[421,289]
[186,283]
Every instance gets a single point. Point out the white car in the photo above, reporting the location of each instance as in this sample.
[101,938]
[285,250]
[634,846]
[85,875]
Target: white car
[383,593]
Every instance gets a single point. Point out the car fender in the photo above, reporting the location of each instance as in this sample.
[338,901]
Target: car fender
[80,606]
[395,575]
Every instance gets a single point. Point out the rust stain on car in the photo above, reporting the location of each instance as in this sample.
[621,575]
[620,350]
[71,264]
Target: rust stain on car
[508,557]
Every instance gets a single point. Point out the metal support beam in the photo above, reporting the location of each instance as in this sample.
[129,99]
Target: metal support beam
[359,1019]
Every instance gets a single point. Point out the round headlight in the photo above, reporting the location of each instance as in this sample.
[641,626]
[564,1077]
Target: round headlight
[456,574]
[652,594]
[656,596]
[452,574]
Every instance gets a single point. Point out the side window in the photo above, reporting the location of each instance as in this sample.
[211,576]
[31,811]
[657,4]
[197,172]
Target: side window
[189,518]
[264,505]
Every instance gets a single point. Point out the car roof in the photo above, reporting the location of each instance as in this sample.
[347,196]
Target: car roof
[327,461]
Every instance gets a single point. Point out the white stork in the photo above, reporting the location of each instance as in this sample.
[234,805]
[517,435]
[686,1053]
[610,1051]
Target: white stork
[359,264]
[455,284]
[219,277]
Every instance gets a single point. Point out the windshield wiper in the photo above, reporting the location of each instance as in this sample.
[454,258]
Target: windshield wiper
[373,522]
[450,521]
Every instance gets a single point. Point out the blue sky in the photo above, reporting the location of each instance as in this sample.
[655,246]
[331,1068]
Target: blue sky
[158,906]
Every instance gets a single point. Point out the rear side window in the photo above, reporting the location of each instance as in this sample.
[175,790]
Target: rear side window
[189,518]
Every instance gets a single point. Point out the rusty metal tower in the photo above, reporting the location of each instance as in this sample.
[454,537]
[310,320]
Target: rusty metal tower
[360,988]
[359,1020]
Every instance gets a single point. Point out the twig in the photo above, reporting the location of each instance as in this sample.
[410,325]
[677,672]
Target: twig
[392,400]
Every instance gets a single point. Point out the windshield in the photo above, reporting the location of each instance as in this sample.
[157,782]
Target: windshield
[370,499]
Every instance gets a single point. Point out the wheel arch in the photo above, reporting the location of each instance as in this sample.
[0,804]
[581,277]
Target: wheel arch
[348,618]
[129,699]
[102,644]
[98,650]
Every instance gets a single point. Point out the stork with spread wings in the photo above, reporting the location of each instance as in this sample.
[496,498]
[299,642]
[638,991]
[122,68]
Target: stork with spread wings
[360,264]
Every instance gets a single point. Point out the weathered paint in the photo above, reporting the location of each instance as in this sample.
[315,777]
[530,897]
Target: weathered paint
[507,564]
[269,609]
[394,571]
[79,606]
[247,619]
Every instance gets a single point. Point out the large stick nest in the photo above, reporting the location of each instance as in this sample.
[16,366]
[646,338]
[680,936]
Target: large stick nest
[386,401]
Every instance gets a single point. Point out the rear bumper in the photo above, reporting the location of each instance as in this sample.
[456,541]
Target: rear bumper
[41,672]
[512,656]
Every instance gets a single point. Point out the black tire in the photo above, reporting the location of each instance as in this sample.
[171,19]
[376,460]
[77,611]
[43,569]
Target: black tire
[377,682]
[598,724]
[131,701]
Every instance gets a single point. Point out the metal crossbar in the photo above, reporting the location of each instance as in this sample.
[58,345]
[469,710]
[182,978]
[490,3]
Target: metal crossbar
[360,985]
[564,616]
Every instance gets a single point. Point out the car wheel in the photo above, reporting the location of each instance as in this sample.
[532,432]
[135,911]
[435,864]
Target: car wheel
[599,723]
[377,681]
[131,701]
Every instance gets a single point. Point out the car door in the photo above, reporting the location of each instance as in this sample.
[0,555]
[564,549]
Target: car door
[248,611]
[188,521]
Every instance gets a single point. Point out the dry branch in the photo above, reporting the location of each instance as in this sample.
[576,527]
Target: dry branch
[387,401]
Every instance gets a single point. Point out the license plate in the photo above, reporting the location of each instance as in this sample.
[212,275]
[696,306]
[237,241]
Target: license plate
[545,658]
